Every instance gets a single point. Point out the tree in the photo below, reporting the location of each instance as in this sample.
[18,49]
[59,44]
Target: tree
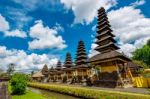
[10,69]
[32,73]
[141,63]
[18,83]
[148,42]
[142,54]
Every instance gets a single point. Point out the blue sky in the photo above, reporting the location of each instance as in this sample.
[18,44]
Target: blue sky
[36,32]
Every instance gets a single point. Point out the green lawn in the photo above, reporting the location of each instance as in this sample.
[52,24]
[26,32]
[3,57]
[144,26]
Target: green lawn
[28,95]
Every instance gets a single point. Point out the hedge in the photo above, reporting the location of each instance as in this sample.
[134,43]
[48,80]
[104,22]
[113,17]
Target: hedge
[88,93]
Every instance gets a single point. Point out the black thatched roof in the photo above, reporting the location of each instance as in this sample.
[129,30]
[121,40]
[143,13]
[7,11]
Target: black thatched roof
[134,65]
[68,69]
[82,67]
[108,55]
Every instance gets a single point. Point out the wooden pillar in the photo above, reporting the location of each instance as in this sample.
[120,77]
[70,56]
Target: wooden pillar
[82,74]
[119,75]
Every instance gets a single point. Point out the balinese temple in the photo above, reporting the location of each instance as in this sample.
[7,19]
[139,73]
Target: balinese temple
[68,68]
[111,67]
[81,69]
[58,72]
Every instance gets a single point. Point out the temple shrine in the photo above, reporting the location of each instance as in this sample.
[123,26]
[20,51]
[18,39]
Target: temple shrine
[109,68]
[110,64]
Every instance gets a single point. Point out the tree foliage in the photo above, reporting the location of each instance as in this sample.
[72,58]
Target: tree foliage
[143,54]
[10,69]
[18,83]
[148,42]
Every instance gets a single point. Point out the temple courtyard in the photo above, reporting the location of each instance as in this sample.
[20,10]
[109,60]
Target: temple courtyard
[77,49]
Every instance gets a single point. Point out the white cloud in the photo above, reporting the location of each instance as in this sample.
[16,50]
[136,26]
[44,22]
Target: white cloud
[31,5]
[93,52]
[23,61]
[128,48]
[4,25]
[19,17]
[58,27]
[5,29]
[132,28]
[138,3]
[129,24]
[44,37]
[16,33]
[86,10]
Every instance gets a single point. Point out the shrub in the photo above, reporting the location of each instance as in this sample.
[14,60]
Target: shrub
[89,93]
[18,83]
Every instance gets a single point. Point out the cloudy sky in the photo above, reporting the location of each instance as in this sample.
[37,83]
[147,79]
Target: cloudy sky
[38,32]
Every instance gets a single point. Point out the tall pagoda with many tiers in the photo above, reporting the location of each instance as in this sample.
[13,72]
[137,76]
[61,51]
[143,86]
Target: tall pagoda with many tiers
[81,69]
[105,38]
[68,70]
[58,66]
[111,66]
[81,56]
[58,71]
[68,61]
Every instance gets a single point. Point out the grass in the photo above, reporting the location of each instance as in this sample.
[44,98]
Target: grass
[89,93]
[28,95]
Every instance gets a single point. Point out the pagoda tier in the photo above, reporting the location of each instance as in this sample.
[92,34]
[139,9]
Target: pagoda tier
[105,38]
[45,70]
[102,23]
[58,66]
[105,33]
[68,61]
[106,48]
[81,56]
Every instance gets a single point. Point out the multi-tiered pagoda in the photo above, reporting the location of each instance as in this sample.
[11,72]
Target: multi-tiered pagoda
[82,69]
[110,64]
[58,72]
[68,70]
[105,38]
[45,70]
[81,56]
[58,66]
[68,61]
[51,76]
